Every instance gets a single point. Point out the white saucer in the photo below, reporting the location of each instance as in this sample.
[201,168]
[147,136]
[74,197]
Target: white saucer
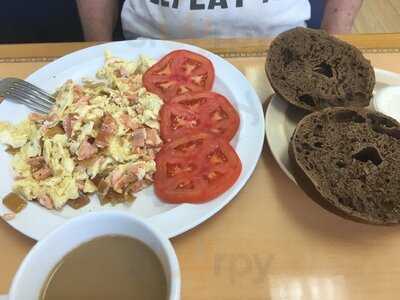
[281,117]
[387,101]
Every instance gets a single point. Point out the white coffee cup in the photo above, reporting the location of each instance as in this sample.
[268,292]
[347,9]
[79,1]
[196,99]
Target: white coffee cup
[44,256]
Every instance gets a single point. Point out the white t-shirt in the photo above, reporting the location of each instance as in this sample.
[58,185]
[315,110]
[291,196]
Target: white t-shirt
[165,19]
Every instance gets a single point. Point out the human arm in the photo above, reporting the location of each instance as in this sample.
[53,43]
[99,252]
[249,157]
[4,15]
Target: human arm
[98,18]
[339,15]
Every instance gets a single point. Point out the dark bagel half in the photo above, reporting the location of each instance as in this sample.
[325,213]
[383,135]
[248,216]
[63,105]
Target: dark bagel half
[314,70]
[348,161]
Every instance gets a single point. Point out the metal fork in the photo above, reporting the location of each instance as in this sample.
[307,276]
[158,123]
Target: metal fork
[26,93]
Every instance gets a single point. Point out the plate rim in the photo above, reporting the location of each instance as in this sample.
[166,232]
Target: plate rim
[159,221]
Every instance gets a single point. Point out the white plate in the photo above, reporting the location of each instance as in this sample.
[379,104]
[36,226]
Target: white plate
[281,119]
[36,222]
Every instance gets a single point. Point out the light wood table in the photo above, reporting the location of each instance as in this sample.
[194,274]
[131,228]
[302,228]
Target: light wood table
[271,242]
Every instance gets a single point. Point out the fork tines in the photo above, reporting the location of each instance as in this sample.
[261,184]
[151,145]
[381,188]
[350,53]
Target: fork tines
[27,93]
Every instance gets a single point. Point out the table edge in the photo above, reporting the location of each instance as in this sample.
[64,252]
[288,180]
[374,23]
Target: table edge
[227,48]
[224,54]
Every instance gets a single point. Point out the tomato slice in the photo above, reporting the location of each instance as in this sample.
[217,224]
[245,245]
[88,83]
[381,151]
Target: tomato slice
[178,73]
[203,112]
[195,169]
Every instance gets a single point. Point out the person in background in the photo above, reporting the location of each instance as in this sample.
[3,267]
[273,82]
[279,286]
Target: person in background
[173,19]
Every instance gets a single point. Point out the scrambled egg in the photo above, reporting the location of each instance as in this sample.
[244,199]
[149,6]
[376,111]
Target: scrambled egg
[101,136]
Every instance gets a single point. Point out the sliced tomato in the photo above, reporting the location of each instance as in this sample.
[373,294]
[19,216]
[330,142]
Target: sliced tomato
[178,73]
[202,112]
[195,169]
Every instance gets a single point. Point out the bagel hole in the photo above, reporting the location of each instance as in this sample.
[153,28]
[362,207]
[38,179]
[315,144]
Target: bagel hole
[324,69]
[368,154]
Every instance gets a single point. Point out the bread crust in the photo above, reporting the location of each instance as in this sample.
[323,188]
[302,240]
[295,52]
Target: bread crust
[359,183]
[313,70]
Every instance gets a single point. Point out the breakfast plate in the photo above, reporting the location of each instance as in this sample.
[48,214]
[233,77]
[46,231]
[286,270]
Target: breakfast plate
[281,119]
[36,221]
